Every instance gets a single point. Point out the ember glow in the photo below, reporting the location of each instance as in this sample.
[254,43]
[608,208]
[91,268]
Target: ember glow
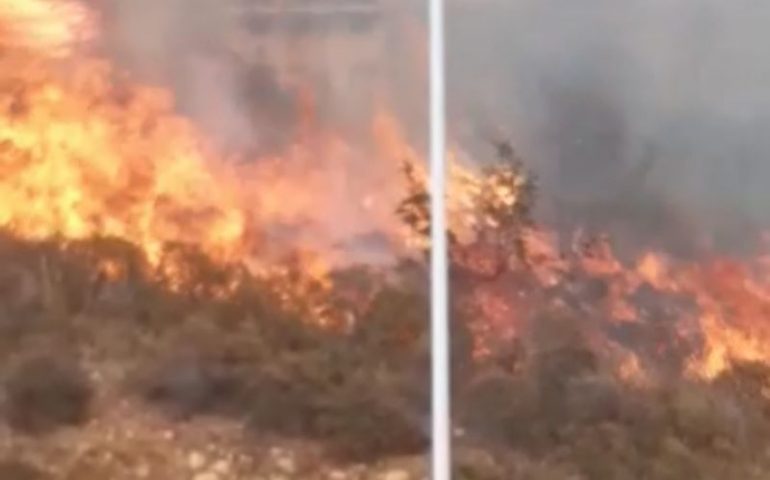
[86,152]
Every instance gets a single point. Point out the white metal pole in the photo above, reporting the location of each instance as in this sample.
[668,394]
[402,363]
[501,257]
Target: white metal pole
[440,349]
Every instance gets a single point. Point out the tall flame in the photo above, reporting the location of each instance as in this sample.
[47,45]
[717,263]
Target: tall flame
[82,157]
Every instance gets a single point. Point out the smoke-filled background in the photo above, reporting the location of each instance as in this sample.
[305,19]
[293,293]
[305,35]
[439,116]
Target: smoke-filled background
[188,46]
[651,112]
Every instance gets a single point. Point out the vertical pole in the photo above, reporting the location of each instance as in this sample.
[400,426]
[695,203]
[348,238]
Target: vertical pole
[440,349]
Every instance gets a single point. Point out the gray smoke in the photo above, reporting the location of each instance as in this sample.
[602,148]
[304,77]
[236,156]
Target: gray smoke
[205,51]
[189,46]
[592,91]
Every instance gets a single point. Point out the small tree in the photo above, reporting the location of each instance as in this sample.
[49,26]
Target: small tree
[501,198]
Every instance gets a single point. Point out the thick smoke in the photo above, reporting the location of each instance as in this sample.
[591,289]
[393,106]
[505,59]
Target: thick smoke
[205,51]
[648,113]
[190,47]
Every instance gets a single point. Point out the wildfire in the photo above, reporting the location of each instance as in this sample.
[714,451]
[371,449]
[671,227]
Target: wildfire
[85,152]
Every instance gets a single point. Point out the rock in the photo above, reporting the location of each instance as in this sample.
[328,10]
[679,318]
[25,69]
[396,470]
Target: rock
[143,471]
[395,475]
[206,476]
[221,467]
[196,460]
[285,463]
[337,475]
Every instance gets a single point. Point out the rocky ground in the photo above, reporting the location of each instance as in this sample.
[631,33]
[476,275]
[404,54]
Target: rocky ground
[131,443]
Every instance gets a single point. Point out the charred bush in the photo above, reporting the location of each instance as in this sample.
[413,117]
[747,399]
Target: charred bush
[394,325]
[189,386]
[478,464]
[700,417]
[560,363]
[360,392]
[748,380]
[592,399]
[500,407]
[359,413]
[19,470]
[364,429]
[45,393]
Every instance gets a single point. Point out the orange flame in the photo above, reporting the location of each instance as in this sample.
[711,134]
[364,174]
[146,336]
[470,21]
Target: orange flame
[78,162]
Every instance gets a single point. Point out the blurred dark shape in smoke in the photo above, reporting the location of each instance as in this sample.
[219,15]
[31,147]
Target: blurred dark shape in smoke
[18,470]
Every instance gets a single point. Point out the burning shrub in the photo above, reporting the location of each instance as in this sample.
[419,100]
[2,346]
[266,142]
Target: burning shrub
[490,209]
